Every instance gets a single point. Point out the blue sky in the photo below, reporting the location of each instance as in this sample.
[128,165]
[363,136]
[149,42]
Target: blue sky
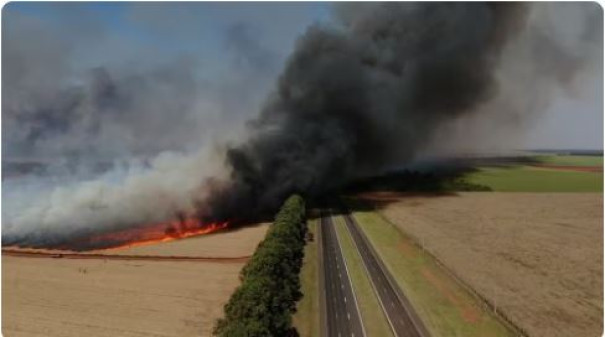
[144,34]
[174,28]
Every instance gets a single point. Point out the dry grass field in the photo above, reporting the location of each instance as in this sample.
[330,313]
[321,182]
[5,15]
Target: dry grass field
[108,298]
[229,243]
[536,256]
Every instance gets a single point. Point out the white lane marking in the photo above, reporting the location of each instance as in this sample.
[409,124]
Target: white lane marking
[372,282]
[348,316]
[346,268]
[345,299]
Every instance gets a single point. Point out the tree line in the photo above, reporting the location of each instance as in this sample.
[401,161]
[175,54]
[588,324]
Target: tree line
[266,299]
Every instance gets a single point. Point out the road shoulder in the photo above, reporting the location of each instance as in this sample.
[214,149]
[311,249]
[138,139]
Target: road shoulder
[306,320]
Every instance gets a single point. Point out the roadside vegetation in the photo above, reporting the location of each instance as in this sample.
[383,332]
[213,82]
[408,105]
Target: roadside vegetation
[266,299]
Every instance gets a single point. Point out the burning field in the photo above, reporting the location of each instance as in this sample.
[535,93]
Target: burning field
[137,236]
[150,234]
[102,296]
[108,156]
[129,141]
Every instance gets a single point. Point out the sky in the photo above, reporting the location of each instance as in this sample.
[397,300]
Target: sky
[135,112]
[170,29]
[219,37]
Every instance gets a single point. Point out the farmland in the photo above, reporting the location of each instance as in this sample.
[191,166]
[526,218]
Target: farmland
[536,179]
[537,257]
[548,174]
[64,297]
[446,308]
[571,160]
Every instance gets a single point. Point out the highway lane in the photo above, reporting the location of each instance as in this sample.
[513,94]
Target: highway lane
[341,315]
[399,312]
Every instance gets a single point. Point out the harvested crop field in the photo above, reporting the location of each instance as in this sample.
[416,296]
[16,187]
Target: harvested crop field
[536,256]
[104,297]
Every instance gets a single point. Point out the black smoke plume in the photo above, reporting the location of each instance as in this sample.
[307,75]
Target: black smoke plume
[358,97]
[376,87]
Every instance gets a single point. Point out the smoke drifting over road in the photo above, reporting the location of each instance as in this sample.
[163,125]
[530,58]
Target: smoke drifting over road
[374,88]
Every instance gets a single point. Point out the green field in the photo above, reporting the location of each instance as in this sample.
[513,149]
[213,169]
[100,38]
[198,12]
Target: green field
[533,179]
[571,160]
[306,318]
[374,320]
[446,307]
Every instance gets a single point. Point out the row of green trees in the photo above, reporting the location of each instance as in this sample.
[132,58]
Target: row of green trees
[266,299]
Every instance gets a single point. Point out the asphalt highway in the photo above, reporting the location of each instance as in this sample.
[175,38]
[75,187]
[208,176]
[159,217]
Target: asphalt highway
[399,312]
[340,313]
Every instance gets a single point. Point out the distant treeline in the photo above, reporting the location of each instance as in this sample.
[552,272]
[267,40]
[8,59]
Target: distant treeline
[266,299]
[416,181]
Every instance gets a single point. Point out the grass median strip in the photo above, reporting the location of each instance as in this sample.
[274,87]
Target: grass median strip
[372,315]
[306,318]
[446,307]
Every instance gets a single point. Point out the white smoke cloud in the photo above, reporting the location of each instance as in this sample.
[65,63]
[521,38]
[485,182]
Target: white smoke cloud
[135,142]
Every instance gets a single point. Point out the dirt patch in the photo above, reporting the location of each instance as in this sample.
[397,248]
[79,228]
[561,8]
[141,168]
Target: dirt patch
[537,256]
[467,311]
[407,250]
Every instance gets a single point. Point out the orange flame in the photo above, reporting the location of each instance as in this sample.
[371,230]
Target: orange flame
[150,234]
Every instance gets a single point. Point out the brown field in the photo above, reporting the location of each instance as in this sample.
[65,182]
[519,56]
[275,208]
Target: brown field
[102,297]
[231,243]
[537,257]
